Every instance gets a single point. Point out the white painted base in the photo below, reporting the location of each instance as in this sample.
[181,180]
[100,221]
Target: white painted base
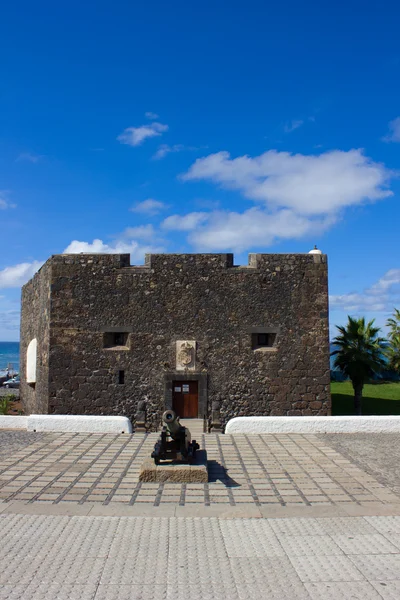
[341,424]
[79,424]
[13,422]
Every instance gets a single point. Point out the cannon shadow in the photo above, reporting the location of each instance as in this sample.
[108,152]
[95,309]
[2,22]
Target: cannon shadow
[217,472]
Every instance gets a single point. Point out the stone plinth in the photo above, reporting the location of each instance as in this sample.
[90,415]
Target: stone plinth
[176,472]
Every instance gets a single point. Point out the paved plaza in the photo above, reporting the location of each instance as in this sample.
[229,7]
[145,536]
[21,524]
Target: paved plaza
[282,517]
[256,470]
[132,558]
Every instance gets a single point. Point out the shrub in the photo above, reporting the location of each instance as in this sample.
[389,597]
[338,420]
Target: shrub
[5,403]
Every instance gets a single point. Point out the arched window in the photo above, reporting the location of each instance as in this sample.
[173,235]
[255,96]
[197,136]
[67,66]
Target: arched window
[31,355]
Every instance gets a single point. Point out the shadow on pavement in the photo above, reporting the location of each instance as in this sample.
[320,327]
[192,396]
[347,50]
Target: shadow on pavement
[217,472]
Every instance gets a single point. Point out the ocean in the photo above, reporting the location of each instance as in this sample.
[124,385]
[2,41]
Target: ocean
[9,355]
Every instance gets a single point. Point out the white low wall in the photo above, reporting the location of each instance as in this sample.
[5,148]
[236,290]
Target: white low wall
[79,423]
[348,424]
[13,422]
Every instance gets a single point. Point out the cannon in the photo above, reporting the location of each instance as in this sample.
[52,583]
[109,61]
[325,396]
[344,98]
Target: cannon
[175,441]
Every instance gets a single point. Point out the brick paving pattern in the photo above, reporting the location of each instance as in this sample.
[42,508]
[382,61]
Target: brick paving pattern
[377,454]
[283,470]
[142,558]
[12,441]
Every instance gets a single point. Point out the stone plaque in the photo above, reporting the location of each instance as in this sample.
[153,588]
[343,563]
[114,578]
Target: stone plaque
[185,355]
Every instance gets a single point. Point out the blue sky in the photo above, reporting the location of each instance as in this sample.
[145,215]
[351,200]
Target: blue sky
[182,127]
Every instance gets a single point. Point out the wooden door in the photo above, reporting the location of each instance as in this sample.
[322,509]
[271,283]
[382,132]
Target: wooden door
[185,399]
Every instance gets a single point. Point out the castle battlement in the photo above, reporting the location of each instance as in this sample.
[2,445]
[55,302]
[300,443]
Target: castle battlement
[176,262]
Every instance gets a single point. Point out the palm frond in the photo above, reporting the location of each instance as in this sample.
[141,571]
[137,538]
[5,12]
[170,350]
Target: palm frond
[393,323]
[359,352]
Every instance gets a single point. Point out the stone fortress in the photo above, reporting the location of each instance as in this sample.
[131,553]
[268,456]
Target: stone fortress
[183,331]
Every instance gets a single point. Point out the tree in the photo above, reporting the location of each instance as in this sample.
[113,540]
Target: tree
[393,350]
[359,354]
[394,323]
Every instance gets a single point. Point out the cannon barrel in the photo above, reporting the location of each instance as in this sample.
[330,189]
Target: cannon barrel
[171,421]
[180,446]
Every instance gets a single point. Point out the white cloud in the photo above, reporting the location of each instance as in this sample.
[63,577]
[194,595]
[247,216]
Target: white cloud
[134,136]
[149,207]
[17,275]
[386,283]
[165,149]
[355,302]
[380,297]
[29,157]
[295,124]
[131,247]
[255,227]
[205,203]
[143,232]
[9,322]
[98,247]
[394,131]
[4,202]
[184,222]
[307,184]
[226,230]
[151,115]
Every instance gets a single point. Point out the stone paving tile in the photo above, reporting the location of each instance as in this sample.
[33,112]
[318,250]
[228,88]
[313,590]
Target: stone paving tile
[346,526]
[206,532]
[297,527]
[250,539]
[277,590]
[389,590]
[336,590]
[68,569]
[17,441]
[12,592]
[390,524]
[276,570]
[209,590]
[181,571]
[309,545]
[129,570]
[285,469]
[58,557]
[326,568]
[378,566]
[48,592]
[131,592]
[365,544]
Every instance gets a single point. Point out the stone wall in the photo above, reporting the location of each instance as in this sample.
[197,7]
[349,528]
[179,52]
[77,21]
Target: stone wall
[35,323]
[201,297]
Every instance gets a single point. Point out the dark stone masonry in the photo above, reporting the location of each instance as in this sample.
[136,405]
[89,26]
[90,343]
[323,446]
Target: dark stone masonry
[187,331]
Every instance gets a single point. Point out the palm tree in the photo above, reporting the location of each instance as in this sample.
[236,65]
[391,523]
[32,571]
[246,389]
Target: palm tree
[393,353]
[394,323]
[393,350]
[359,354]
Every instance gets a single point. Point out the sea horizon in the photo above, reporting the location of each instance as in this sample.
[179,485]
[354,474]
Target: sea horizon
[9,355]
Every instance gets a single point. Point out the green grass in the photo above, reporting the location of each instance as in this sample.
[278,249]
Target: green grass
[378,398]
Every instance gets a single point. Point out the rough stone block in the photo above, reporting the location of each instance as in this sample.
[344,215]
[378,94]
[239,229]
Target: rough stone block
[176,472]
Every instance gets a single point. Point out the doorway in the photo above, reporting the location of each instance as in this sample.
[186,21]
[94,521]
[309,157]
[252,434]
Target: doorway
[185,399]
